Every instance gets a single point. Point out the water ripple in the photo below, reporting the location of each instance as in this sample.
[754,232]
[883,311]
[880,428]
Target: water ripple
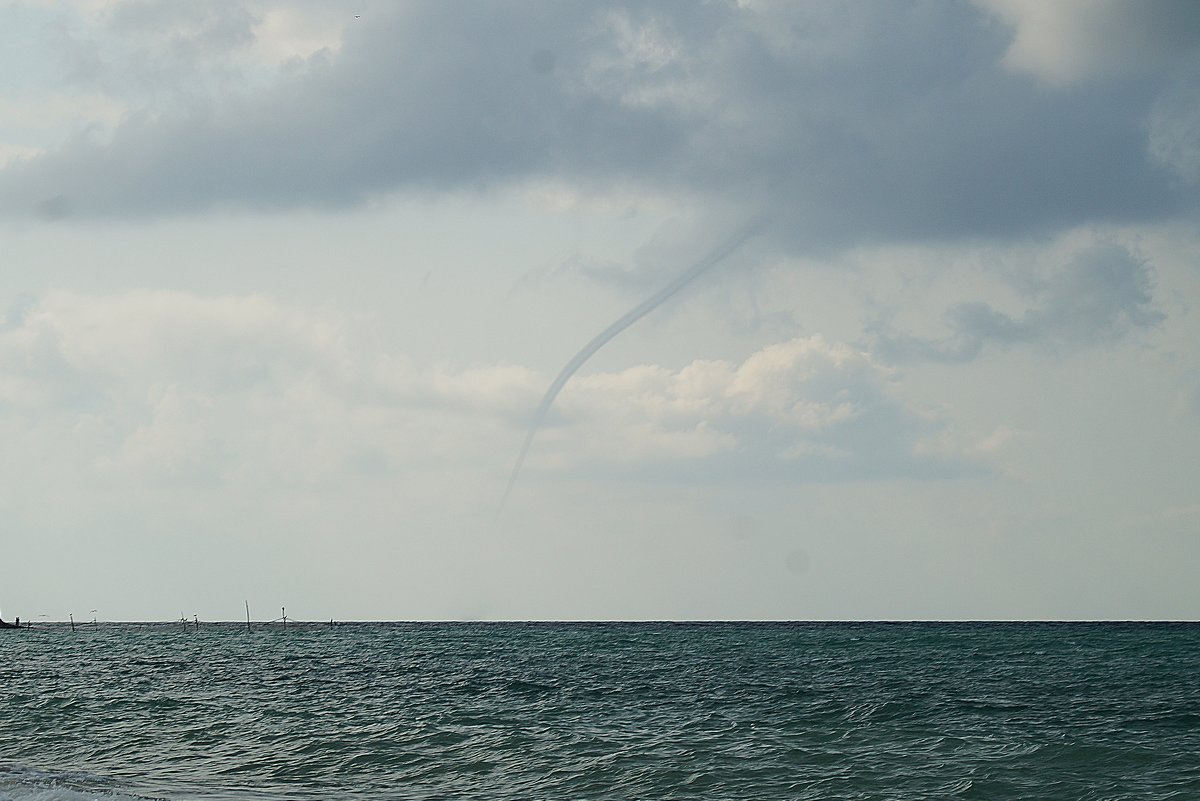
[738,711]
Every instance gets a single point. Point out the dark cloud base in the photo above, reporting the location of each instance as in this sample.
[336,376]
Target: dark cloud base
[910,129]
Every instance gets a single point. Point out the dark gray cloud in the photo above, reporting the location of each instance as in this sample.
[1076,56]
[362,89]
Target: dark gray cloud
[1101,295]
[154,53]
[847,123]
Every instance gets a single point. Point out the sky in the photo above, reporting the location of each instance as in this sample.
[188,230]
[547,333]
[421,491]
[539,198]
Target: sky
[284,287]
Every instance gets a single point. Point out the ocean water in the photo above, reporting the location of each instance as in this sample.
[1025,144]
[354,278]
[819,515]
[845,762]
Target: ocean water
[601,711]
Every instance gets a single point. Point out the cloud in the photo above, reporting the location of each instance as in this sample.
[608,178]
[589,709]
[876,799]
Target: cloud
[176,389]
[1173,127]
[164,55]
[149,392]
[1069,41]
[212,344]
[800,410]
[1100,296]
[246,346]
[911,128]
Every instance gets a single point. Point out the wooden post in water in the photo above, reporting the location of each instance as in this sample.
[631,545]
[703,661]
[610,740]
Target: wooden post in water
[247,615]
[283,609]
[72,616]
[197,617]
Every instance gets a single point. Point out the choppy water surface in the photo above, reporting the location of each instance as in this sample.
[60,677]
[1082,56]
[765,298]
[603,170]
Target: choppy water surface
[492,711]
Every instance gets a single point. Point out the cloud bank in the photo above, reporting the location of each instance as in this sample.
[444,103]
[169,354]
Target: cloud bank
[846,124]
[176,388]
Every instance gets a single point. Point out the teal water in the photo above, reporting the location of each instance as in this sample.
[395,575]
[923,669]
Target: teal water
[602,711]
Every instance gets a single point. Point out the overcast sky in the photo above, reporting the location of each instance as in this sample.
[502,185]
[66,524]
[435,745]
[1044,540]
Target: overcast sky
[282,285]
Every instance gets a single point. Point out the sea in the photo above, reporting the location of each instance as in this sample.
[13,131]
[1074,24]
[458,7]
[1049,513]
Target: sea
[112,711]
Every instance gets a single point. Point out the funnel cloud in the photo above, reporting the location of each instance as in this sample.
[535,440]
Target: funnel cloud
[717,255]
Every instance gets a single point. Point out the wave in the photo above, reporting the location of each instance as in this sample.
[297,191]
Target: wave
[23,783]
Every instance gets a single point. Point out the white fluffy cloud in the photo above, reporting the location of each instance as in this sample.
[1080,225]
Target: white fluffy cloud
[803,409]
[210,388]
[177,387]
